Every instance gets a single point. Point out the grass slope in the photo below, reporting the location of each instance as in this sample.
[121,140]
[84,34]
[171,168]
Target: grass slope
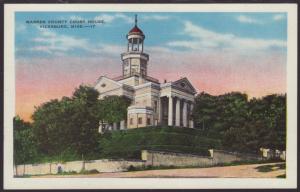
[129,143]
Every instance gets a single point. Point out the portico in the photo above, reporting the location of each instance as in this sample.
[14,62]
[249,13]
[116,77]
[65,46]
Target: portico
[176,111]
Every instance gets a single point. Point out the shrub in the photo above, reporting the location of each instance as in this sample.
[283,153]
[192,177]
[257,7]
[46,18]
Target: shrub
[131,168]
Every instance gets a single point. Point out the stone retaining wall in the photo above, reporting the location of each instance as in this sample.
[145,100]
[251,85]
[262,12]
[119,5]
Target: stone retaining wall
[149,157]
[103,165]
[220,156]
[160,158]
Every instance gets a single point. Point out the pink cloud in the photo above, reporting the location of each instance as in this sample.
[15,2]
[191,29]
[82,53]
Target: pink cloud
[221,72]
[39,80]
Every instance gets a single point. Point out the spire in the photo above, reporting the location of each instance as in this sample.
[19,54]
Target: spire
[135,20]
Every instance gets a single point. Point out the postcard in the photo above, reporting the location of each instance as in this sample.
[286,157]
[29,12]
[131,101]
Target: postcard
[177,96]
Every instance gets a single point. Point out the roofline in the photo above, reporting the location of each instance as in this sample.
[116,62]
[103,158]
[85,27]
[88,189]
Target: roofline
[185,78]
[102,76]
[151,84]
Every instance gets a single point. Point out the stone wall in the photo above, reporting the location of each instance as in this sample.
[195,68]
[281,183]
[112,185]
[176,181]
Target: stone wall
[33,169]
[220,156]
[104,165]
[149,157]
[159,158]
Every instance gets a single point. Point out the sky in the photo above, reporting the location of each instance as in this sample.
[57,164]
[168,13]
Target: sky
[217,52]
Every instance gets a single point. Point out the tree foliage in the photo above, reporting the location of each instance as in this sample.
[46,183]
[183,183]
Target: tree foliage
[71,124]
[24,142]
[113,108]
[243,125]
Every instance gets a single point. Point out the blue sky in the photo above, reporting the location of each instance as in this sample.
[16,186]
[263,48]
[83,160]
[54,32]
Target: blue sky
[161,29]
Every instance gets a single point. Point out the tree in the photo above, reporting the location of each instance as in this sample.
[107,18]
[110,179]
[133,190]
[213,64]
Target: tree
[24,142]
[242,125]
[113,108]
[50,126]
[271,110]
[69,124]
[84,120]
[204,112]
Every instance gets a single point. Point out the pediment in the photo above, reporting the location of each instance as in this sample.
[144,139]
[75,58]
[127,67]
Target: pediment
[184,85]
[105,84]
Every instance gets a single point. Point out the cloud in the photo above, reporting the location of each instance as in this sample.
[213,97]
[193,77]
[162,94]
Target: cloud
[110,49]
[155,17]
[247,19]
[108,18]
[221,71]
[51,42]
[75,17]
[278,17]
[20,27]
[158,49]
[206,39]
[46,32]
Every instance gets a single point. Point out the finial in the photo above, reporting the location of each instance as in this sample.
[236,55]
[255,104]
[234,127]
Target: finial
[135,21]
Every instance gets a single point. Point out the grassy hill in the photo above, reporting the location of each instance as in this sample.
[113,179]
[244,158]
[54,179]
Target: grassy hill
[129,143]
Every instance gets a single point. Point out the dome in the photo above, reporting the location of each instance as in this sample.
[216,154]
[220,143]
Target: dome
[136,30]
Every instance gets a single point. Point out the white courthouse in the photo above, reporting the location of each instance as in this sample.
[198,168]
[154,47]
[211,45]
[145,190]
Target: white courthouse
[153,103]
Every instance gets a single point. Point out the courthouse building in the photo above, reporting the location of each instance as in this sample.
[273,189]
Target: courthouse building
[152,103]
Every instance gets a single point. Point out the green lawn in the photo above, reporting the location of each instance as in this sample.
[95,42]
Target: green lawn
[129,143]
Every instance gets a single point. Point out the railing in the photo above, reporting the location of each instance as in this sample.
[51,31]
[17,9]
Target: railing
[118,78]
[146,77]
[152,79]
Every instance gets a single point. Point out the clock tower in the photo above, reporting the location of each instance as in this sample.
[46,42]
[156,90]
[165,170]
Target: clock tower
[135,61]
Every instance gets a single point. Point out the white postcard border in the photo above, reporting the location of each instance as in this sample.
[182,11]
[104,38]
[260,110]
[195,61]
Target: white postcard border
[152,183]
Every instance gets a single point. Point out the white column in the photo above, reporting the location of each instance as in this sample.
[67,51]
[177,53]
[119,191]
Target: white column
[115,126]
[159,111]
[184,114]
[192,120]
[177,121]
[122,124]
[170,112]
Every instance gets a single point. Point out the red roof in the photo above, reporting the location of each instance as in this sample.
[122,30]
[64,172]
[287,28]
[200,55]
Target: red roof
[135,29]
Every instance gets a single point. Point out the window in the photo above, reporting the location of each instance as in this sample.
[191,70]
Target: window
[143,71]
[103,85]
[148,121]
[126,63]
[131,121]
[140,120]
